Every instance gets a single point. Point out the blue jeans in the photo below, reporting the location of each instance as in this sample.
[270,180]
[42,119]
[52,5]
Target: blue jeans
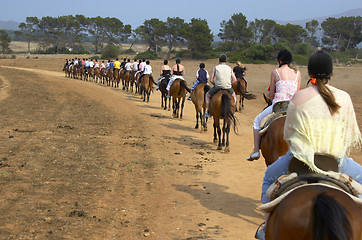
[280,167]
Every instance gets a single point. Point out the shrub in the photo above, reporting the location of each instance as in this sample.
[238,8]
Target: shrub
[110,51]
[149,54]
[128,51]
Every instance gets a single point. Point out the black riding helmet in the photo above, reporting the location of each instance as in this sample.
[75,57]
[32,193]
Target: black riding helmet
[285,56]
[320,64]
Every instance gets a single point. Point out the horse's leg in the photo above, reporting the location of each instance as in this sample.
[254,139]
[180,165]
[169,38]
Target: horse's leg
[182,106]
[223,133]
[227,136]
[242,103]
[215,135]
[219,147]
[197,119]
[239,104]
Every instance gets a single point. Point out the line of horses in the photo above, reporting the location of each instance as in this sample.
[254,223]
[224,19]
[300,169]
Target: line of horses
[311,212]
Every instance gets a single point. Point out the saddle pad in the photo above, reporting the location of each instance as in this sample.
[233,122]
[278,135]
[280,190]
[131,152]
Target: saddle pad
[265,123]
[270,206]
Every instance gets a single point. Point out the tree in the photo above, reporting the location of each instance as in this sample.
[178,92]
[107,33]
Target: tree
[236,31]
[343,33]
[95,28]
[312,28]
[293,34]
[199,38]
[4,42]
[115,31]
[175,32]
[264,31]
[153,33]
[29,29]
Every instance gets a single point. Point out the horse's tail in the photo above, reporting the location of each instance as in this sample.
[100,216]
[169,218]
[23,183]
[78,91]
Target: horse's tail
[183,84]
[330,218]
[226,112]
[151,78]
[243,92]
[206,88]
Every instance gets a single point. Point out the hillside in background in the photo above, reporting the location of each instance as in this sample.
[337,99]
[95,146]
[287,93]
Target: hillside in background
[9,25]
[350,13]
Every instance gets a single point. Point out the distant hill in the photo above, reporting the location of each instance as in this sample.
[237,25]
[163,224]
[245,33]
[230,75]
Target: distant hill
[350,13]
[9,25]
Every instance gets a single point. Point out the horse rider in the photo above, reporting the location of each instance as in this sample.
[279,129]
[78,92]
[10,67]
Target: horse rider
[123,63]
[147,69]
[202,76]
[177,72]
[128,67]
[91,63]
[116,65]
[165,72]
[239,71]
[284,83]
[224,77]
[320,119]
[86,65]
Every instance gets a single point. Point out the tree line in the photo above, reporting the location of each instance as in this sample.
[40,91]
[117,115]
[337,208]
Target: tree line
[257,40]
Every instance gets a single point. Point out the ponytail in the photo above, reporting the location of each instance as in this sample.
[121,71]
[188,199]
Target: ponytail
[326,93]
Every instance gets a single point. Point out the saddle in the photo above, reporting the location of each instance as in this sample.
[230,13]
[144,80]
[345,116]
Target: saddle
[279,110]
[301,175]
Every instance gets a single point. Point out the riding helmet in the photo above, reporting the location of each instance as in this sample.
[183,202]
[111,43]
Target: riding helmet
[320,64]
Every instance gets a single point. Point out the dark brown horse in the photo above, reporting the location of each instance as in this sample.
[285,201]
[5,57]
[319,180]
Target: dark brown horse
[178,95]
[272,143]
[198,99]
[162,88]
[146,85]
[240,89]
[91,73]
[222,107]
[137,82]
[315,212]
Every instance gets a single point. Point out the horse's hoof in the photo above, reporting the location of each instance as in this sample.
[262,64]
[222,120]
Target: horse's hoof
[215,140]
[227,150]
[219,148]
[196,127]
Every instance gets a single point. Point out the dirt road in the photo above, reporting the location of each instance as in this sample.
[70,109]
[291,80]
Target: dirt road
[79,160]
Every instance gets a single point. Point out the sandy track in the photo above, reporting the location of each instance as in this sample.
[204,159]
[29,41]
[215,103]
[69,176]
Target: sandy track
[128,165]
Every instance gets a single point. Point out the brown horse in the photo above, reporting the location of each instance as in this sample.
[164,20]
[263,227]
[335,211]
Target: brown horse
[315,212]
[109,77]
[178,95]
[115,82]
[272,143]
[96,75]
[240,89]
[103,75]
[91,73]
[80,72]
[198,99]
[138,82]
[162,88]
[126,77]
[222,106]
[146,85]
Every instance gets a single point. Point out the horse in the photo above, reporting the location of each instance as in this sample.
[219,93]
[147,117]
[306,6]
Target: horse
[96,75]
[178,94]
[109,77]
[272,143]
[132,80]
[91,73]
[163,90]
[137,82]
[146,85]
[75,72]
[198,99]
[240,89]
[315,212]
[222,106]
[103,75]
[115,82]
[80,72]
[66,70]
[126,77]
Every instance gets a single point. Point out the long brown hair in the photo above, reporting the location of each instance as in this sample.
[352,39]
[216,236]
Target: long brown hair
[326,93]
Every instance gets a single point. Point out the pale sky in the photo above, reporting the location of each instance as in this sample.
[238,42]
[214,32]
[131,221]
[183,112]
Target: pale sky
[214,11]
